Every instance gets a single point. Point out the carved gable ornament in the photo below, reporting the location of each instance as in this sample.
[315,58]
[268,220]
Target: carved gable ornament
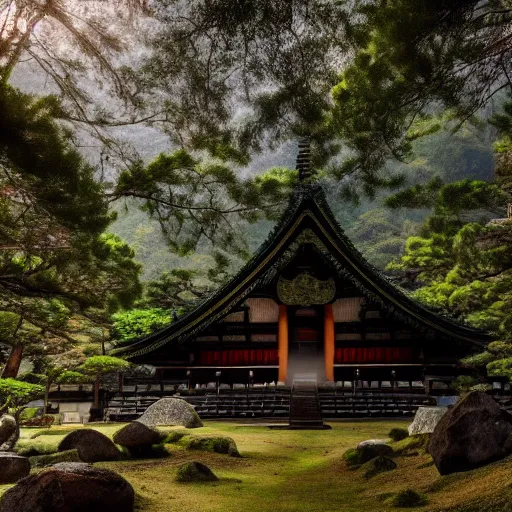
[305,290]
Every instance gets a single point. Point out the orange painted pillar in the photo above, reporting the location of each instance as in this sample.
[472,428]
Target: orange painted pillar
[282,339]
[329,342]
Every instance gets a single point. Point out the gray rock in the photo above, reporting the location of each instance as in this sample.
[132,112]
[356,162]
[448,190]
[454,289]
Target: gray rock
[92,445]
[171,411]
[474,432]
[137,434]
[426,419]
[374,442]
[70,487]
[13,467]
[7,428]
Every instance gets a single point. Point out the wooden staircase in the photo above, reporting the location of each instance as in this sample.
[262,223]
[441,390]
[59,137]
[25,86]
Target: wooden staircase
[305,410]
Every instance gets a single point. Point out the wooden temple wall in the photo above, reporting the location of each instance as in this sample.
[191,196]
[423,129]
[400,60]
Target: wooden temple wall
[350,337]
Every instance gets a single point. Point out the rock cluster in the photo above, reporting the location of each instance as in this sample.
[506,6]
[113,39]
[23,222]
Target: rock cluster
[171,411]
[70,487]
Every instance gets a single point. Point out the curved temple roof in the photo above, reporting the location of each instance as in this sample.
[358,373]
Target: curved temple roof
[308,219]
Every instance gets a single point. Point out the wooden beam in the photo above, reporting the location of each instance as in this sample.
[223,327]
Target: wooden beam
[282,340]
[329,342]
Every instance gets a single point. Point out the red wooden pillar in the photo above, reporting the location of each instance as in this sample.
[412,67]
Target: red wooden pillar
[329,338]
[282,339]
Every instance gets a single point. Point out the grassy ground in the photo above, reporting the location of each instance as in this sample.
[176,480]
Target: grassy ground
[299,471]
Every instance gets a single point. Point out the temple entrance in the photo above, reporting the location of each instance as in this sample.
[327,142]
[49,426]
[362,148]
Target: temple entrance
[306,344]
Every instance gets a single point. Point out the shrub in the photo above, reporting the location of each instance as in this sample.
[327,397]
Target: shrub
[408,498]
[173,437]
[28,413]
[397,434]
[357,456]
[213,444]
[412,443]
[378,465]
[195,472]
[463,383]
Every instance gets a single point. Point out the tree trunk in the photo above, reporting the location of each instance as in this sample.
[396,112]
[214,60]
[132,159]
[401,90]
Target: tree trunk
[97,392]
[46,393]
[12,366]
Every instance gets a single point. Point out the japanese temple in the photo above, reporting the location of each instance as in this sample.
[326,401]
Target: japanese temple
[307,303]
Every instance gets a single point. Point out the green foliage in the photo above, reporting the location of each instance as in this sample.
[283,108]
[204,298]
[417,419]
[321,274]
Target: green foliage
[411,444]
[28,413]
[135,323]
[15,393]
[194,472]
[102,365]
[217,59]
[378,465]
[413,58]
[463,383]
[397,434]
[196,201]
[60,274]
[358,456]
[501,367]
[224,445]
[408,498]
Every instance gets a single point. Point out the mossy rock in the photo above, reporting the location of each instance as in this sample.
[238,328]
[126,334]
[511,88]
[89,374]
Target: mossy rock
[363,454]
[195,472]
[42,461]
[173,437]
[417,443]
[398,434]
[224,445]
[378,465]
[408,498]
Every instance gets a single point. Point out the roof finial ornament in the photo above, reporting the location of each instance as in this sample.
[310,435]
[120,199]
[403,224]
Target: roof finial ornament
[304,160]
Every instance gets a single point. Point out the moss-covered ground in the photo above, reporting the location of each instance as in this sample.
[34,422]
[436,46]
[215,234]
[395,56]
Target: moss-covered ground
[298,471]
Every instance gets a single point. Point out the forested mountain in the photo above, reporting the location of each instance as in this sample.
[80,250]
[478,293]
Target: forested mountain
[379,233]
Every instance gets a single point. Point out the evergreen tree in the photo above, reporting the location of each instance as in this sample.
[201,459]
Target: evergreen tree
[59,272]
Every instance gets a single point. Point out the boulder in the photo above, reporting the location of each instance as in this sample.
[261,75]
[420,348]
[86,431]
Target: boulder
[92,445]
[137,434]
[70,487]
[13,467]
[7,428]
[224,445]
[195,472]
[472,433]
[171,411]
[426,419]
